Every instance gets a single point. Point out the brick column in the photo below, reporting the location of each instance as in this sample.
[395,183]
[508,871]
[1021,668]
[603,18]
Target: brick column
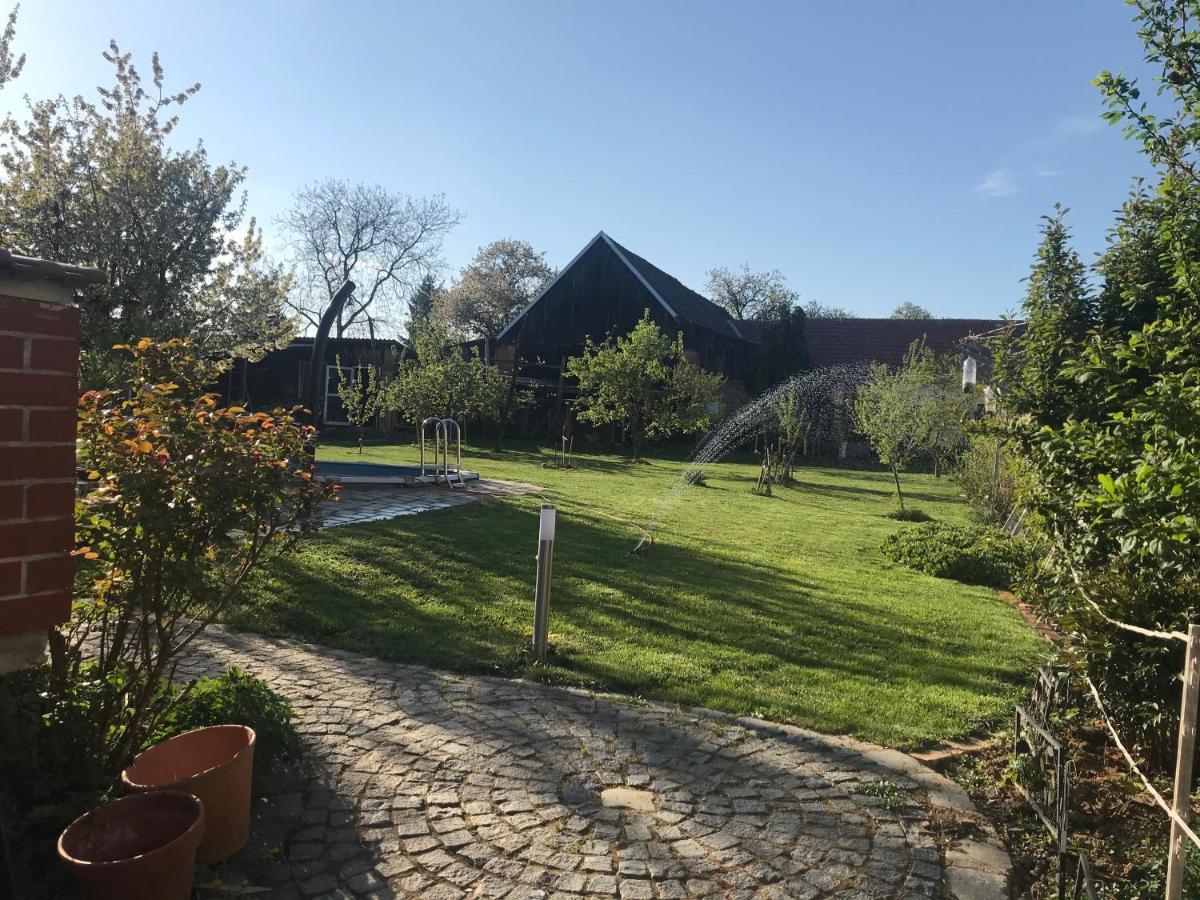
[39,360]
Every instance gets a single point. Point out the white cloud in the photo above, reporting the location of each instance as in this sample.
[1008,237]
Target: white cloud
[1078,124]
[997,183]
[1049,173]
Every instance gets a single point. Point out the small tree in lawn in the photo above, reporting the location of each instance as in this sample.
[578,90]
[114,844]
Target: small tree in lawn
[793,422]
[440,380]
[362,393]
[189,497]
[910,411]
[643,382]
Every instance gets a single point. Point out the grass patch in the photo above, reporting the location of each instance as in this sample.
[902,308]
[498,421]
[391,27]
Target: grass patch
[785,610]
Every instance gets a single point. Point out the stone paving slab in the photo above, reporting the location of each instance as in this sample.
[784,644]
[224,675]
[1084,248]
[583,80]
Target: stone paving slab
[362,503]
[428,784]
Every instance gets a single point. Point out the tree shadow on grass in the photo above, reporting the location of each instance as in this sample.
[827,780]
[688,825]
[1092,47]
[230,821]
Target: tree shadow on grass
[553,746]
[453,589]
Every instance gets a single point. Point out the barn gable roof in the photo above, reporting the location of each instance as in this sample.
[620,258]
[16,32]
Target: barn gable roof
[680,301]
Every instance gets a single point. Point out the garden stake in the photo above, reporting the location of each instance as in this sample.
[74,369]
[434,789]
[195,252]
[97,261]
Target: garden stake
[541,598]
[1181,801]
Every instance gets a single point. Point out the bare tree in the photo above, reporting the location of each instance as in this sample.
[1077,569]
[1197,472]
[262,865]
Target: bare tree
[751,295]
[383,242]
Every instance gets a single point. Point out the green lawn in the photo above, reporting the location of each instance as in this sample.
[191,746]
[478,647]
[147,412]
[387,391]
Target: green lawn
[780,607]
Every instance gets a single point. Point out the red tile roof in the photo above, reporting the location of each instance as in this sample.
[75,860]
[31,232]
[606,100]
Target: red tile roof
[838,341]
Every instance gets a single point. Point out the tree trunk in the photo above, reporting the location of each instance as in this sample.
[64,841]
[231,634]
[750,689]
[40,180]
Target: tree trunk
[899,496]
[316,365]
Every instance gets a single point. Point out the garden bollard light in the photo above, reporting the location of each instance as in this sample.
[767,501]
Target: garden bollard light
[541,599]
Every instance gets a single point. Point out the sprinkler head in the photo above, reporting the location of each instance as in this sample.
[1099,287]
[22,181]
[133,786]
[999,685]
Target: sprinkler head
[643,545]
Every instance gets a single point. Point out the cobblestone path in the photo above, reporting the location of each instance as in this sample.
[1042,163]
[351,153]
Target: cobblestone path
[433,785]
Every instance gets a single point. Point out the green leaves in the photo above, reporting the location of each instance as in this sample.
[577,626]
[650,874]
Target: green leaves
[644,382]
[187,499]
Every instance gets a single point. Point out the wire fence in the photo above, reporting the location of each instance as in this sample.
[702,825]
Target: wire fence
[1178,811]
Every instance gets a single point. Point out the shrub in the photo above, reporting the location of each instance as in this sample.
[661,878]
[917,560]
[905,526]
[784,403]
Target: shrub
[992,498]
[236,698]
[970,554]
[189,498]
[910,515]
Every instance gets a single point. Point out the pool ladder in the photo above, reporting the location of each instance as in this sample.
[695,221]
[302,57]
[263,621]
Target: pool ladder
[441,445]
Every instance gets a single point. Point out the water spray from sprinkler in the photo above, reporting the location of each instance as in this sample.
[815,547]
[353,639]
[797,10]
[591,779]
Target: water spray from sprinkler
[817,389]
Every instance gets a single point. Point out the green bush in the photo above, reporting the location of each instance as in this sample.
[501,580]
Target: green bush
[236,698]
[909,515]
[969,554]
[992,492]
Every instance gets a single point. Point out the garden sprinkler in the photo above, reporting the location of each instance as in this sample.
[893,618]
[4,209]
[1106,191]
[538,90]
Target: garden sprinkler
[644,544]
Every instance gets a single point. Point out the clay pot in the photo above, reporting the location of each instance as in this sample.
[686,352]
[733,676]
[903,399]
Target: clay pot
[141,847]
[215,764]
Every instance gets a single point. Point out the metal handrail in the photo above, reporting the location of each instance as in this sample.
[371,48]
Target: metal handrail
[441,446]
[425,425]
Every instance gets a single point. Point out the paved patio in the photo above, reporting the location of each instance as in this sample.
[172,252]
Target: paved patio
[362,503]
[426,784]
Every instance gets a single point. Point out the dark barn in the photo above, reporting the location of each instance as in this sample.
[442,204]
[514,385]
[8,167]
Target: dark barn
[278,378]
[605,290]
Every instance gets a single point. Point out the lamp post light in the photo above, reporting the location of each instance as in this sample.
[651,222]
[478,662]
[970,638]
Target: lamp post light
[541,598]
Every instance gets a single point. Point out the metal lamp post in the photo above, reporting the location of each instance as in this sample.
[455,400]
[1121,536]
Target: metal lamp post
[541,599]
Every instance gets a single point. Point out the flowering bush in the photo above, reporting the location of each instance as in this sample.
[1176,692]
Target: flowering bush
[188,497]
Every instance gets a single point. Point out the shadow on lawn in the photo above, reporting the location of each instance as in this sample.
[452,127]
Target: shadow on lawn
[453,589]
[573,739]
[885,491]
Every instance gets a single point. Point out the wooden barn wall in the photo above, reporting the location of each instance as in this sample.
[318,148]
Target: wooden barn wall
[599,296]
[595,297]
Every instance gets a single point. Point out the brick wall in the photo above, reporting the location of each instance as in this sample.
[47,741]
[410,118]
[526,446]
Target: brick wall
[39,352]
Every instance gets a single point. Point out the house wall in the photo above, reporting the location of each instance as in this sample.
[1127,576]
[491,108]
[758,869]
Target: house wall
[39,357]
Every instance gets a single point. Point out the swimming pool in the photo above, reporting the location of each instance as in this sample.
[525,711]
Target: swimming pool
[383,473]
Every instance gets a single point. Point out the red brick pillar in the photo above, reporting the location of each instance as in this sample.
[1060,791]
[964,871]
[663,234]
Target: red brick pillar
[39,361]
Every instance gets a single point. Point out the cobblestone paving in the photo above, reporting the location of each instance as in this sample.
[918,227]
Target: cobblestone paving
[362,503]
[432,785]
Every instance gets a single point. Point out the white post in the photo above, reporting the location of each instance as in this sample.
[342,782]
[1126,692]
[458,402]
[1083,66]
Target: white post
[1181,801]
[541,597]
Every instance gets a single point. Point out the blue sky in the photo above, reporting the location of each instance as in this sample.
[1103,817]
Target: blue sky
[872,152]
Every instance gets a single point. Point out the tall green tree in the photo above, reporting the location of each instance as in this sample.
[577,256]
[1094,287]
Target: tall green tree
[644,382]
[1057,313]
[423,300]
[782,350]
[1106,421]
[98,183]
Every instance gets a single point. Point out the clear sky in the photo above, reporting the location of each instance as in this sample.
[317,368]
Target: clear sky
[872,152]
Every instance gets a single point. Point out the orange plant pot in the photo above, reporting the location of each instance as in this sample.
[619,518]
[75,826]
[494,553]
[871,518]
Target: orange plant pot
[141,847]
[217,765]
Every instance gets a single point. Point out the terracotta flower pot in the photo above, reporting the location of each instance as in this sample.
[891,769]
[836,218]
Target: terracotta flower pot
[141,847]
[215,764]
